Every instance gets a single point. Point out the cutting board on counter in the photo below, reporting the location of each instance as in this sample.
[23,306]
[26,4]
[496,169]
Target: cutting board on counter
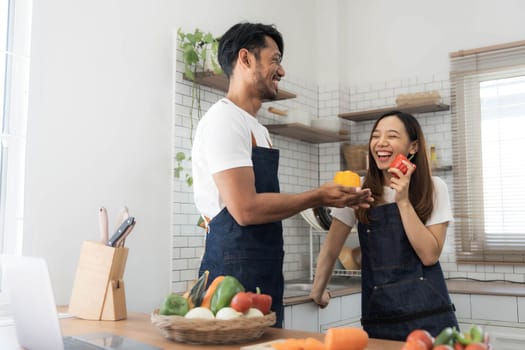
[262,346]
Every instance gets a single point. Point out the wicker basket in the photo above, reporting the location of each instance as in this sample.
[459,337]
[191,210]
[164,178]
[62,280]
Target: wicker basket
[200,331]
[356,156]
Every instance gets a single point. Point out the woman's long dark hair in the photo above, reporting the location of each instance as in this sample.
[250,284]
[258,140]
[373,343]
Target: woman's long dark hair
[421,190]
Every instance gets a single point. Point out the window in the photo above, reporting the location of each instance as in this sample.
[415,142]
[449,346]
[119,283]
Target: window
[15,29]
[488,113]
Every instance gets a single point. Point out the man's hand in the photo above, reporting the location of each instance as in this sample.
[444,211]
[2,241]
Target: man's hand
[338,196]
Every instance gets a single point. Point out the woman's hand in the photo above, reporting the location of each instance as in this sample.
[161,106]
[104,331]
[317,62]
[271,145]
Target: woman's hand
[400,182]
[322,300]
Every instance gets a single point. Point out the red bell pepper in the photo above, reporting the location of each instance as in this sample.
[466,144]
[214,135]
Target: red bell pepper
[398,163]
[263,302]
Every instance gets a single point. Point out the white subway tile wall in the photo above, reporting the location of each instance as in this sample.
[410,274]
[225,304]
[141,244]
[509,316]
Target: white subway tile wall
[304,166]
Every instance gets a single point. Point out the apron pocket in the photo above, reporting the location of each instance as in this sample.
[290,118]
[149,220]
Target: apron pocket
[404,299]
[263,269]
[256,268]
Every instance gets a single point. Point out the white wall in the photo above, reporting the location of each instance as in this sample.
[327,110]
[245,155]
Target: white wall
[101,102]
[100,124]
[388,40]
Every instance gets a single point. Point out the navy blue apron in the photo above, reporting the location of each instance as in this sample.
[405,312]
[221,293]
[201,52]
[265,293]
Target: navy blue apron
[253,254]
[399,293]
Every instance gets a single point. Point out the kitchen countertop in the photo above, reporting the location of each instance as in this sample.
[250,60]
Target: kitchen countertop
[464,286]
[138,326]
[352,285]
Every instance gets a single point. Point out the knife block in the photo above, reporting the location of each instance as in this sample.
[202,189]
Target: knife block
[98,290]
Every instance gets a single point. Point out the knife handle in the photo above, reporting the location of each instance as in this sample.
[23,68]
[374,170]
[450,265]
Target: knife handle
[120,231]
[122,216]
[120,242]
[103,224]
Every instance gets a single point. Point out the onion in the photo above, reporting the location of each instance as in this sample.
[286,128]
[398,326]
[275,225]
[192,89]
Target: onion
[253,312]
[200,312]
[227,313]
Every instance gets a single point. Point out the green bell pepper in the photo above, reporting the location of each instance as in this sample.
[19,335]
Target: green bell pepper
[476,333]
[224,293]
[174,304]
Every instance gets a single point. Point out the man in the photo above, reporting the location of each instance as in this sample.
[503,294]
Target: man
[235,169]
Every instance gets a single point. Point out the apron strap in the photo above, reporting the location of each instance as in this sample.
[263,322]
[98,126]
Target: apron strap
[254,142]
[408,317]
[207,219]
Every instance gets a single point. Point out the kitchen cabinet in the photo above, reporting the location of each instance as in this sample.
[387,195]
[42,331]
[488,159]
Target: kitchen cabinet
[375,113]
[302,317]
[220,82]
[306,133]
[343,311]
[499,315]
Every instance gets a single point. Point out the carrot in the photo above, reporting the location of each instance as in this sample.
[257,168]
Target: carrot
[289,344]
[346,339]
[313,344]
[206,301]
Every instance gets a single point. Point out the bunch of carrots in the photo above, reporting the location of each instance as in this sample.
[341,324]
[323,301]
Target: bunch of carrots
[348,338]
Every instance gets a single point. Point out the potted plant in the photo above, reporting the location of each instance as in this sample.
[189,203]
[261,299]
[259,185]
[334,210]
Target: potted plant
[199,55]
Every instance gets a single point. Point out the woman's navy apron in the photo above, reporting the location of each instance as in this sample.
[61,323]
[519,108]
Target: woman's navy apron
[253,254]
[399,293]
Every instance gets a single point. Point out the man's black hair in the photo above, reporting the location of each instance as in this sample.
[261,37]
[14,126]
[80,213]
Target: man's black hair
[250,36]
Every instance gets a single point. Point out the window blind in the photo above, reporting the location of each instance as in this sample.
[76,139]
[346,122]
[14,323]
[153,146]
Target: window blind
[488,125]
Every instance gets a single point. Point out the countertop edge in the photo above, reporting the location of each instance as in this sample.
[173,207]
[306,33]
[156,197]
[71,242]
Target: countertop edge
[455,286]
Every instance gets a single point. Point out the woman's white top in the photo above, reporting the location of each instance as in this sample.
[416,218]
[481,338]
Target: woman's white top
[442,210]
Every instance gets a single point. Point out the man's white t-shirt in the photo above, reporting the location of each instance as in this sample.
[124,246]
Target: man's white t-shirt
[222,141]
[442,211]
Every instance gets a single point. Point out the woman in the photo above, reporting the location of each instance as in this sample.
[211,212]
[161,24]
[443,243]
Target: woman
[401,237]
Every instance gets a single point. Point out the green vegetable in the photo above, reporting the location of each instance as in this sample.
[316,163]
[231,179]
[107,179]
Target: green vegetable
[198,290]
[224,293]
[446,337]
[463,338]
[476,333]
[174,304]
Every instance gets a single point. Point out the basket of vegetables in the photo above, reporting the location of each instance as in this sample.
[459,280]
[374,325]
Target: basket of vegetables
[222,314]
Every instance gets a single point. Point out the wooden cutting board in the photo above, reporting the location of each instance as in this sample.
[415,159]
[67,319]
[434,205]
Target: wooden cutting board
[262,346]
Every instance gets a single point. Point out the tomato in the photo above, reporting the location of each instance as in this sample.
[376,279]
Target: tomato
[241,302]
[414,344]
[398,163]
[443,347]
[476,346]
[422,335]
[459,346]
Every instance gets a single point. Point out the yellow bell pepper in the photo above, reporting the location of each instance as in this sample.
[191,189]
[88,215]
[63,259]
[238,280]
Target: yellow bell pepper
[347,178]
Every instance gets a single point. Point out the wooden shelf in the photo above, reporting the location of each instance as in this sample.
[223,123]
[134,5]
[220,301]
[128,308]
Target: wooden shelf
[306,133]
[442,168]
[220,82]
[375,113]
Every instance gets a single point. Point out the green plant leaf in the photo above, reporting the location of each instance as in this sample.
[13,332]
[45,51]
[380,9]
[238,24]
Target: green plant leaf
[208,38]
[189,74]
[180,156]
[196,47]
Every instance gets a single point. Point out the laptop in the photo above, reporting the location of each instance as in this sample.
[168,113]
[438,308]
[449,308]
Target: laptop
[35,315]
